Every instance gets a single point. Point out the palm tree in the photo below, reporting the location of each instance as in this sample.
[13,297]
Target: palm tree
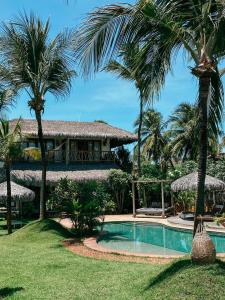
[162,28]
[154,141]
[38,65]
[7,98]
[184,133]
[10,150]
[126,70]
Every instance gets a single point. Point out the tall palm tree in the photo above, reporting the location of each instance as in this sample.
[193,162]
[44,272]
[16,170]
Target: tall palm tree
[154,140]
[10,149]
[162,28]
[7,98]
[126,70]
[38,65]
[184,133]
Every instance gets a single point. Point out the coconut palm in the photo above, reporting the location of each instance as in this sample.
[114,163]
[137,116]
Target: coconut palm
[184,133]
[10,149]
[162,28]
[125,70]
[38,65]
[7,98]
[154,141]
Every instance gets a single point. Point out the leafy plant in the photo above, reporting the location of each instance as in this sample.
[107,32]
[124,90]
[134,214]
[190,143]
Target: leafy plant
[185,200]
[220,220]
[83,202]
[119,183]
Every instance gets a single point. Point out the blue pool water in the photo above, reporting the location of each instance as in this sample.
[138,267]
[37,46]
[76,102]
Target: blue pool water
[158,239]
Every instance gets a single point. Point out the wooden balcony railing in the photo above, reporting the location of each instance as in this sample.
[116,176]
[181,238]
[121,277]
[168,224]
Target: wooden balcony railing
[92,156]
[81,156]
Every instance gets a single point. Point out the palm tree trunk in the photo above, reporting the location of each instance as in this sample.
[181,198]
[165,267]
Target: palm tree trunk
[44,167]
[9,200]
[204,88]
[139,137]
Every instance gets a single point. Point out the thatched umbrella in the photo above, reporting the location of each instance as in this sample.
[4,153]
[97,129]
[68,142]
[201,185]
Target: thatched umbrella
[18,192]
[190,183]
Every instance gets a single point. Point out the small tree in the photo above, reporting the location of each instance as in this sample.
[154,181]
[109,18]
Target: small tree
[9,150]
[119,182]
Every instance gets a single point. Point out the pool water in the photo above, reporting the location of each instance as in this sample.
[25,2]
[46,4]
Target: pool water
[148,238]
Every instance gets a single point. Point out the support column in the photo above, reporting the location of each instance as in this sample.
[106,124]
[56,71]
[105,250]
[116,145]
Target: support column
[67,151]
[133,198]
[173,203]
[163,203]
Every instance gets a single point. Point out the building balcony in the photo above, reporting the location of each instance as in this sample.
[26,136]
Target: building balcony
[81,156]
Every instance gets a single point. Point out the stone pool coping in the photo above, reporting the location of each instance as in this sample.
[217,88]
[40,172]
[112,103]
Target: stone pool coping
[93,244]
[77,246]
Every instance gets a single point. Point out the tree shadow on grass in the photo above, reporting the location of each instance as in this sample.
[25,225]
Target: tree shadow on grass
[5,292]
[175,267]
[180,265]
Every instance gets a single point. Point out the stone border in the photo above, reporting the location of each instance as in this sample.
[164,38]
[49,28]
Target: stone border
[92,243]
[77,246]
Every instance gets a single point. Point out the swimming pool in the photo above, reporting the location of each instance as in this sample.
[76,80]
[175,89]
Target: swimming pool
[149,238]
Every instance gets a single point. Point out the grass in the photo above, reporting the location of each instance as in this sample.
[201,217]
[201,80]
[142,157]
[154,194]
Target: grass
[35,265]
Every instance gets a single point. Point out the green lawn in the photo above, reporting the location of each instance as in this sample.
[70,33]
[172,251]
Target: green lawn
[35,265]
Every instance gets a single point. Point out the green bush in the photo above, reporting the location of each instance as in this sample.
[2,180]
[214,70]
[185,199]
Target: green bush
[182,169]
[28,210]
[216,168]
[185,200]
[119,183]
[84,202]
[151,170]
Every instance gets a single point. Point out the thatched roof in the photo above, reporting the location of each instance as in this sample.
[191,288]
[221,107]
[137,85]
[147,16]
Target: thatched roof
[70,129]
[190,182]
[18,192]
[30,173]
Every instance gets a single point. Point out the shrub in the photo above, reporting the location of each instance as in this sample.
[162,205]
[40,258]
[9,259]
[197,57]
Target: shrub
[28,210]
[185,200]
[84,202]
[151,170]
[182,169]
[119,183]
[61,199]
[216,168]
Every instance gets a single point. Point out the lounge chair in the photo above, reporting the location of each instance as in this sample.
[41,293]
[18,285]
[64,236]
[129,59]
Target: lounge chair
[155,209]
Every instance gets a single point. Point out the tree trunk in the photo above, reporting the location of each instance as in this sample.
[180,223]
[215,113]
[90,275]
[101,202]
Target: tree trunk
[44,167]
[139,137]
[204,87]
[9,200]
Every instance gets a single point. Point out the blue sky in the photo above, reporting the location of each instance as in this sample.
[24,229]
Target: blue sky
[103,97]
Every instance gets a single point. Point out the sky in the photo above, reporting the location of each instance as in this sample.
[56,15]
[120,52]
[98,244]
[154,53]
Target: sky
[103,97]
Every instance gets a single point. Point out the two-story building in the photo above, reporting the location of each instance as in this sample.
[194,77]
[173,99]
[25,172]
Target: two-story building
[78,150]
